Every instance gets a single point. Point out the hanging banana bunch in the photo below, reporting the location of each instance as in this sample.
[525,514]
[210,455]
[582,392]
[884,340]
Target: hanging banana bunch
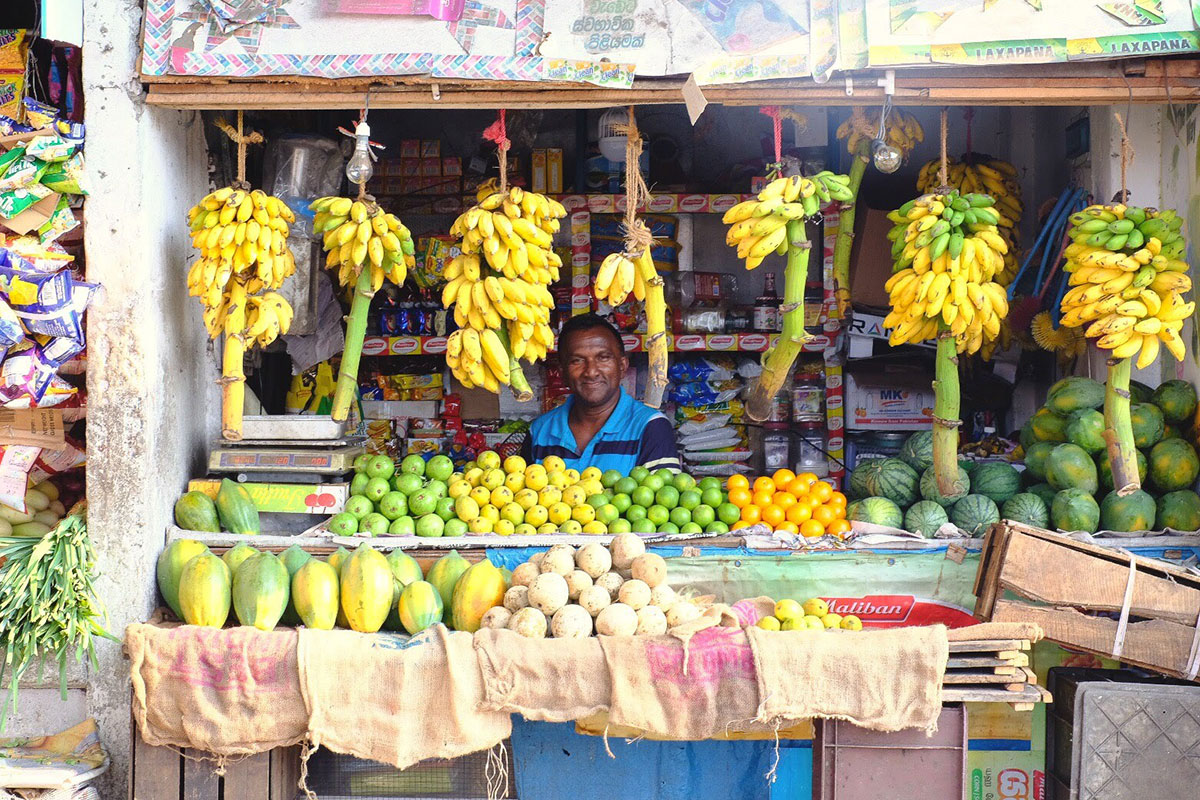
[242,238]
[774,223]
[499,290]
[977,174]
[860,129]
[366,245]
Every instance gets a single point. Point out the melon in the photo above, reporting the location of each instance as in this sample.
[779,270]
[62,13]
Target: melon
[496,617]
[996,481]
[1070,467]
[1027,508]
[549,592]
[895,480]
[528,622]
[876,511]
[925,517]
[1044,491]
[917,451]
[571,622]
[857,485]
[974,514]
[930,491]
[1176,399]
[594,559]
[1036,457]
[634,593]
[617,619]
[1133,512]
[651,621]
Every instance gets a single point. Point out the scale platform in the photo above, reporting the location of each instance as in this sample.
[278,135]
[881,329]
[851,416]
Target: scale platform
[286,460]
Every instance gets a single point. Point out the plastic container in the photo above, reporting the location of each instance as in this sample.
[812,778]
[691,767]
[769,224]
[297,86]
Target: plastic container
[808,395]
[810,449]
[776,447]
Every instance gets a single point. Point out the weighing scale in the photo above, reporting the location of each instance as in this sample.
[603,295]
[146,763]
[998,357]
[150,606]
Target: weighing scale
[288,449]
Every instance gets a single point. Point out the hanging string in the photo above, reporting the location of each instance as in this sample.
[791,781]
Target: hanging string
[241,140]
[637,194]
[969,116]
[1126,157]
[777,129]
[498,132]
[943,172]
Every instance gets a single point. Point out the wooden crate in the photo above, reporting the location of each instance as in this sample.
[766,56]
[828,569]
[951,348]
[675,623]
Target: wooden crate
[1075,591]
[161,773]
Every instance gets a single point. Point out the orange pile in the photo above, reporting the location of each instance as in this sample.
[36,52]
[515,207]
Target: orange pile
[789,502]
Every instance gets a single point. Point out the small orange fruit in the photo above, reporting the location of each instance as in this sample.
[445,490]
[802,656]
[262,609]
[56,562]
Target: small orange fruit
[764,484]
[740,497]
[821,490]
[798,513]
[763,499]
[773,515]
[741,523]
[784,500]
[824,515]
[839,527]
[751,513]
[737,482]
[811,528]
[783,477]
[788,527]
[837,499]
[808,477]
[798,487]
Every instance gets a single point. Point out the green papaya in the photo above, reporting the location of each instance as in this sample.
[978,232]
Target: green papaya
[261,587]
[195,511]
[171,562]
[236,510]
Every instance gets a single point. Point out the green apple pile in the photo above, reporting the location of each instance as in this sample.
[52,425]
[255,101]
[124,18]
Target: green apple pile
[389,501]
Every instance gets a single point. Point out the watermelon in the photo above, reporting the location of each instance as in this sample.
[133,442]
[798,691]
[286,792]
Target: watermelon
[974,513]
[1176,399]
[1173,465]
[1075,510]
[996,480]
[1086,429]
[1070,467]
[1027,508]
[1178,511]
[929,487]
[1147,424]
[1133,512]
[1105,469]
[925,517]
[895,480]
[917,451]
[1139,392]
[1035,459]
[1072,394]
[1048,426]
[877,511]
[863,470]
[968,465]
[1044,491]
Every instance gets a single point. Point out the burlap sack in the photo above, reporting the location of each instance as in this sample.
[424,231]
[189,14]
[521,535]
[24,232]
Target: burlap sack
[551,680]
[650,691]
[229,692]
[393,699]
[883,680]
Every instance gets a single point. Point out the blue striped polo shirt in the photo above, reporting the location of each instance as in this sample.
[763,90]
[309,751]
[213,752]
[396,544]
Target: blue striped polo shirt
[634,435]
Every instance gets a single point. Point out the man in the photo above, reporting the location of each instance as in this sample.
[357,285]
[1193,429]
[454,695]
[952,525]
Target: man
[600,425]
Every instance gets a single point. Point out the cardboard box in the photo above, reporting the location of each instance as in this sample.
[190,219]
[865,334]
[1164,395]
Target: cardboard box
[33,217]
[452,166]
[537,171]
[554,170]
[431,148]
[289,498]
[871,258]
[1006,775]
[410,148]
[888,398]
[410,167]
[431,167]
[397,409]
[36,427]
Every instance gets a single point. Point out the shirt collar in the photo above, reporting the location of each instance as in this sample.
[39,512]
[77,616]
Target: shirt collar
[561,429]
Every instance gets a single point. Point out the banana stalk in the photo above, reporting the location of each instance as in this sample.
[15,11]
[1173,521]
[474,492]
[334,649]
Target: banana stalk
[845,236]
[656,330]
[356,331]
[233,376]
[778,362]
[517,383]
[1118,428]
[946,405]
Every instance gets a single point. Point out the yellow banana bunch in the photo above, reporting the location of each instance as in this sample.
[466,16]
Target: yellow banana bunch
[242,237]
[358,234]
[902,130]
[996,178]
[1128,279]
[617,277]
[499,286]
[268,316]
[759,227]
[947,255]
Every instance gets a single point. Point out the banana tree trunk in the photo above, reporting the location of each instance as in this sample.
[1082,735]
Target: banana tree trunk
[1118,428]
[778,363]
[233,375]
[656,329]
[356,331]
[845,236]
[946,406]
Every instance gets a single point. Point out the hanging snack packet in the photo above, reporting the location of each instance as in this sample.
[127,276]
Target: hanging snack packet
[52,462]
[9,126]
[61,221]
[50,148]
[66,176]
[55,351]
[17,171]
[13,46]
[39,257]
[16,460]
[39,114]
[12,87]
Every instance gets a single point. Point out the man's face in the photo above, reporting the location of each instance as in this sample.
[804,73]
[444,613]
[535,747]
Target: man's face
[593,366]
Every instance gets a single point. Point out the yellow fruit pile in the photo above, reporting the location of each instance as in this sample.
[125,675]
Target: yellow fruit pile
[902,130]
[947,255]
[992,177]
[759,227]
[499,285]
[812,614]
[358,233]
[242,239]
[1129,278]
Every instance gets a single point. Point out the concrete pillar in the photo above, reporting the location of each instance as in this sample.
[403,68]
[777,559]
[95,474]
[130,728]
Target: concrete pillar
[151,395]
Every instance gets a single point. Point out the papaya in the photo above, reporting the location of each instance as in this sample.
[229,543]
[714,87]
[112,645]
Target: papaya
[1133,512]
[420,606]
[293,558]
[1173,465]
[480,588]
[316,595]
[405,570]
[1179,511]
[195,511]
[1074,394]
[1147,423]
[1176,399]
[445,572]
[204,591]
[236,555]
[261,587]
[336,560]
[366,583]
[1070,467]
[1086,429]
[1139,392]
[1035,459]
[235,509]
[1025,437]
[1047,426]
[1075,510]
[171,562]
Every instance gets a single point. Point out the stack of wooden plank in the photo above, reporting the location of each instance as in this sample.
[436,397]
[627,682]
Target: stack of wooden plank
[992,671]
[1076,592]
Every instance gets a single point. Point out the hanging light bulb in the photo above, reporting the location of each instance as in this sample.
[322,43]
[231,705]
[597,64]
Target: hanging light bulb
[887,158]
[359,169]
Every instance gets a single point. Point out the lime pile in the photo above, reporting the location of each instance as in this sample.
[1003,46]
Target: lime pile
[389,501]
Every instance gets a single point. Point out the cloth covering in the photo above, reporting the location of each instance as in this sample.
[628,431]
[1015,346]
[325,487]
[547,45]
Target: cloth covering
[550,680]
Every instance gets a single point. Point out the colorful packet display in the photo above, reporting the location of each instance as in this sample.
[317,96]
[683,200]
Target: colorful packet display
[9,126]
[62,320]
[50,148]
[31,292]
[11,332]
[700,369]
[66,176]
[39,114]
[16,171]
[704,392]
[51,462]
[12,88]
[13,47]
[62,221]
[55,351]
[48,257]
